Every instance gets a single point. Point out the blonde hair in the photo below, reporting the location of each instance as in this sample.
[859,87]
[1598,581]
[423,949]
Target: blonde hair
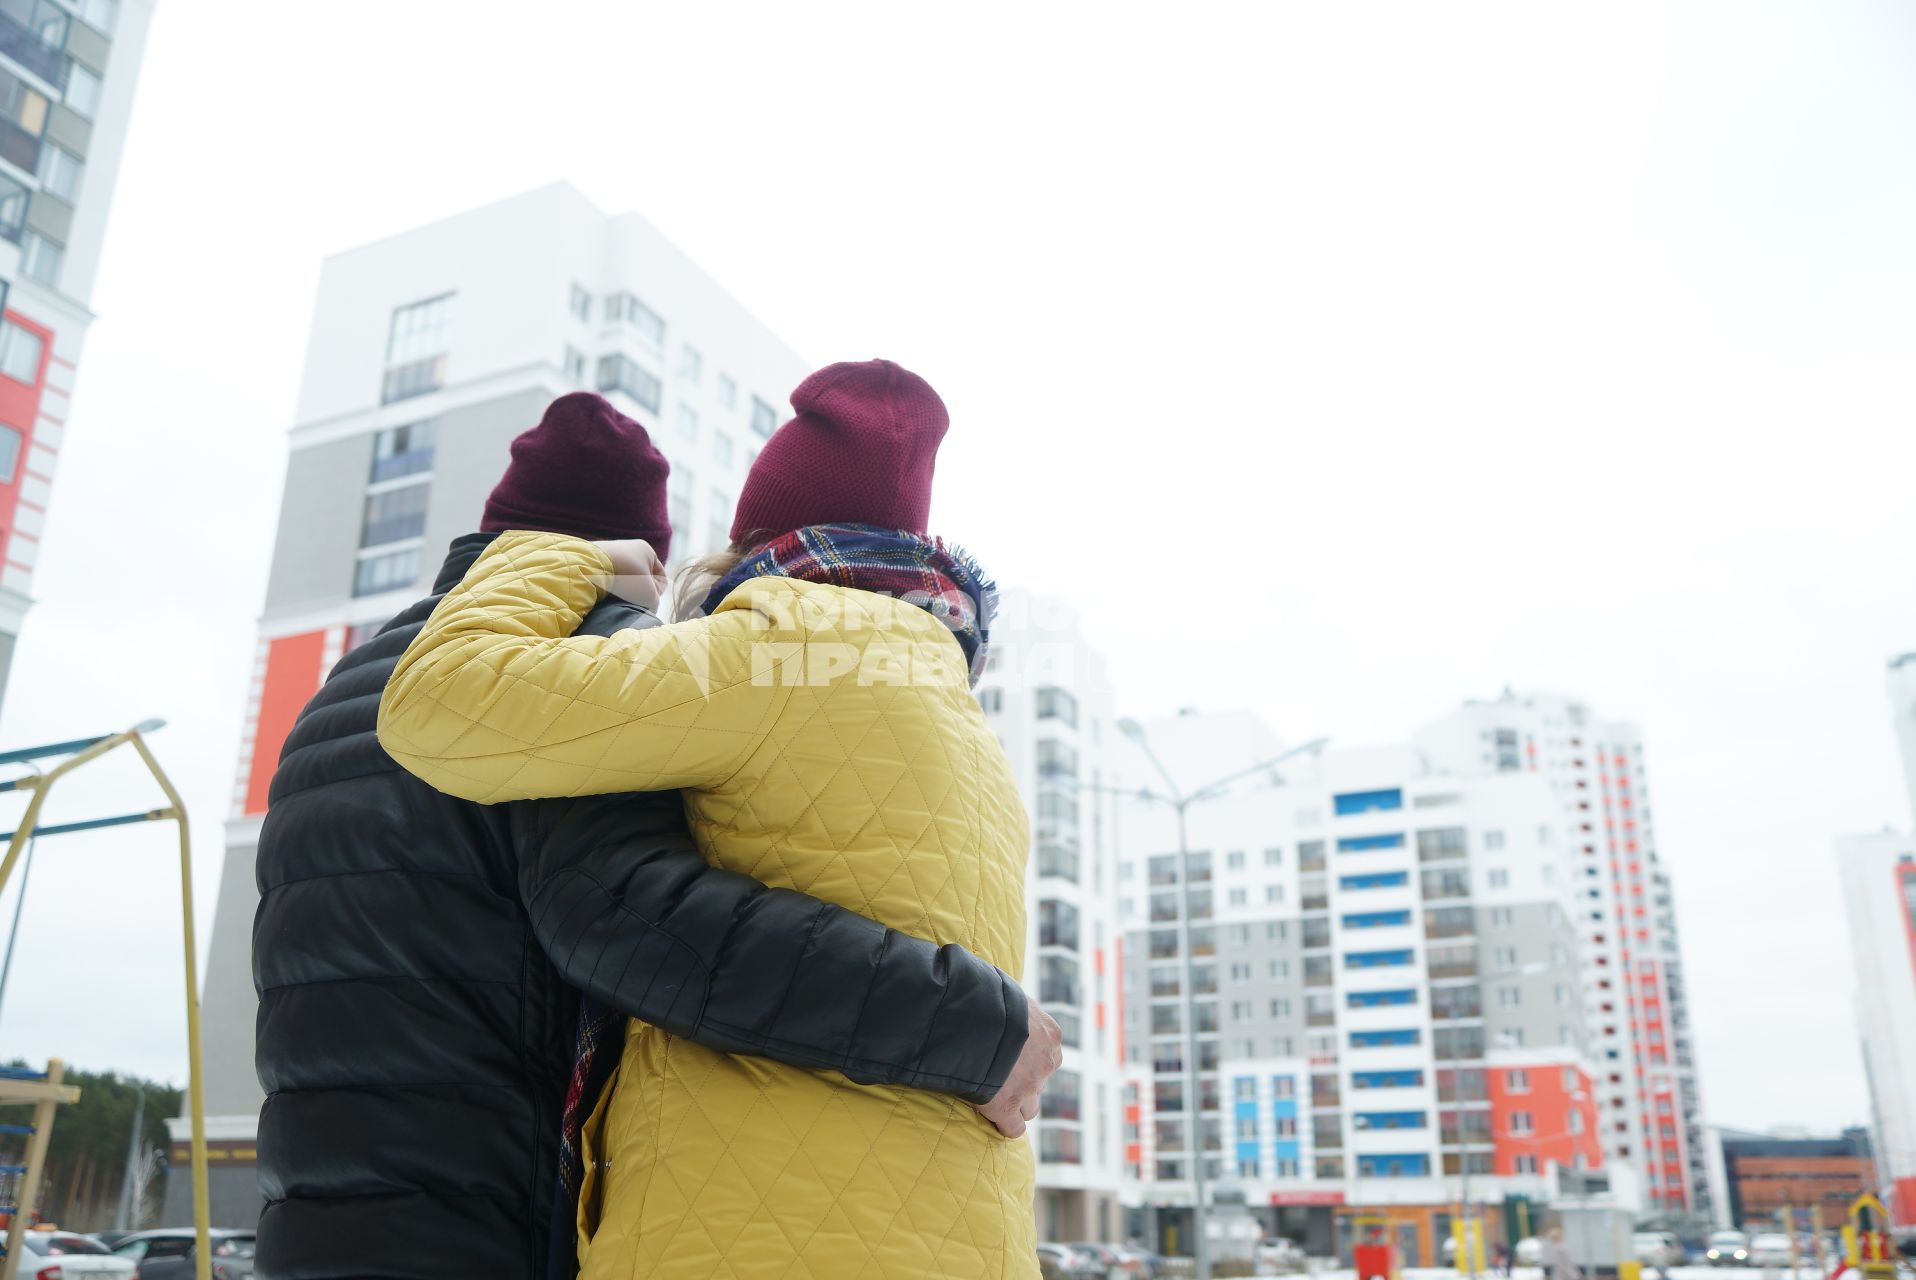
[694,580]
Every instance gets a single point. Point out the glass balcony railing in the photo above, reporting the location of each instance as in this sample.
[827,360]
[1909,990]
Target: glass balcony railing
[18,147]
[40,52]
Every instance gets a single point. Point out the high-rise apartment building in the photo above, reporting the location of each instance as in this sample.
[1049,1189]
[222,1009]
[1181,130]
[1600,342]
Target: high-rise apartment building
[67,74]
[429,352]
[1356,982]
[1048,698]
[1633,989]
[1878,875]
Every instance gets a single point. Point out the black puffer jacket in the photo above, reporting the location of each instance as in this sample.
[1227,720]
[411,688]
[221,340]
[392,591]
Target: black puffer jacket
[415,957]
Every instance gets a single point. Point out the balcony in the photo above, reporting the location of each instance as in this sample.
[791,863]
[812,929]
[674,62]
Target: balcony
[19,148]
[1058,860]
[33,49]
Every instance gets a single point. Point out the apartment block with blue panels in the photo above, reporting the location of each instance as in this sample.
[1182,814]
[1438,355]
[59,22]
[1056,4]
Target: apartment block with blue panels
[1270,1102]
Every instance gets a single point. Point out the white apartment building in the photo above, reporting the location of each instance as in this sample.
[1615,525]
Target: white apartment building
[1048,698]
[429,352]
[1379,968]
[1635,999]
[1878,875]
[68,69]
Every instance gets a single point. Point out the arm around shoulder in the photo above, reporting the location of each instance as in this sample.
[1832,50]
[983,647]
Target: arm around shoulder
[497,700]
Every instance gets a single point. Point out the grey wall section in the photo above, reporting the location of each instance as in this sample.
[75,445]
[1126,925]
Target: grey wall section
[70,129]
[230,1007]
[232,1194]
[474,446]
[1536,1020]
[50,216]
[319,518]
[86,45]
[325,501]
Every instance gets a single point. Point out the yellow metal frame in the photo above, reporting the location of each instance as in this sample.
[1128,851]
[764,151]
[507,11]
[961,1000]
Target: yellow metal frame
[45,1096]
[39,785]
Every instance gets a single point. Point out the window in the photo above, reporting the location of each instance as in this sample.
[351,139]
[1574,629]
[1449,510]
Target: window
[13,209]
[722,448]
[718,528]
[1409,1165]
[574,365]
[60,172]
[1509,997]
[1517,1081]
[1060,1098]
[1058,981]
[1057,704]
[41,258]
[691,363]
[1374,999]
[1497,878]
[1353,802]
[1524,1164]
[1273,857]
[386,572]
[1057,924]
[581,303]
[10,443]
[1379,1039]
[1273,893]
[83,91]
[1280,968]
[1386,1079]
[20,353]
[1505,957]
[991,700]
[402,451]
[1378,880]
[726,389]
[1521,1122]
[1280,1008]
[1377,959]
[1234,860]
[103,15]
[43,25]
[1239,897]
[1367,844]
[1375,919]
[1493,839]
[1440,842]
[394,515]
[764,418]
[1500,917]
[1058,1146]
[622,373]
[641,319]
[1390,1120]
[416,344]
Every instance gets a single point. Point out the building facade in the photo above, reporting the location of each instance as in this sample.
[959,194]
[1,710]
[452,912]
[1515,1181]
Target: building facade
[429,352]
[1764,1174]
[1633,989]
[1357,983]
[1878,877]
[68,70]
[1049,700]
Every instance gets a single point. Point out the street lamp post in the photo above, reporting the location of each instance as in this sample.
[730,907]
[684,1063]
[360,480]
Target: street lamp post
[1180,802]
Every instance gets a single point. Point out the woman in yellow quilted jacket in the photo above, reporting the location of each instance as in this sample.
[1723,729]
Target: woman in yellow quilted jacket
[818,715]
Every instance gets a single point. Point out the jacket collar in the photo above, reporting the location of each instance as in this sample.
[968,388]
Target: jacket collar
[465,548]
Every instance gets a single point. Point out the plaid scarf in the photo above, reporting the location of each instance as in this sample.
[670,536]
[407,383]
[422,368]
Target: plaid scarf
[928,572]
[595,1053]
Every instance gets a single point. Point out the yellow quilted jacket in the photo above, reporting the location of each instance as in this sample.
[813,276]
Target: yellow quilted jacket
[828,742]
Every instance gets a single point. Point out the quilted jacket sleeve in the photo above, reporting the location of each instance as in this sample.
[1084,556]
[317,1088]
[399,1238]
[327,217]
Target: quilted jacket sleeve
[496,699]
[632,914]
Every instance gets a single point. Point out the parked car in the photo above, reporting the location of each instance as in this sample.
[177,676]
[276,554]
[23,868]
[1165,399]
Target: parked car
[68,1255]
[1727,1249]
[167,1254]
[1771,1249]
[1276,1257]
[1659,1249]
[1113,1263]
[1067,1263]
[1141,1261]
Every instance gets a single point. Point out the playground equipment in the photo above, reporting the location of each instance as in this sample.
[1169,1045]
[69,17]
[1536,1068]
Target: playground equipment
[77,752]
[1372,1252]
[1867,1244]
[1467,1233]
[20,1183]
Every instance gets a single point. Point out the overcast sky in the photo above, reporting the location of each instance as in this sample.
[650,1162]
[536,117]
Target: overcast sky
[1343,361]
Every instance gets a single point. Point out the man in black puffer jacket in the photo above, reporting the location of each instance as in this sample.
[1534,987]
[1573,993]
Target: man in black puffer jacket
[419,958]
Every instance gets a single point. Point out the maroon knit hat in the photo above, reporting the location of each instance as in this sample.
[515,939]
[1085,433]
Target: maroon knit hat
[587,470]
[860,451]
